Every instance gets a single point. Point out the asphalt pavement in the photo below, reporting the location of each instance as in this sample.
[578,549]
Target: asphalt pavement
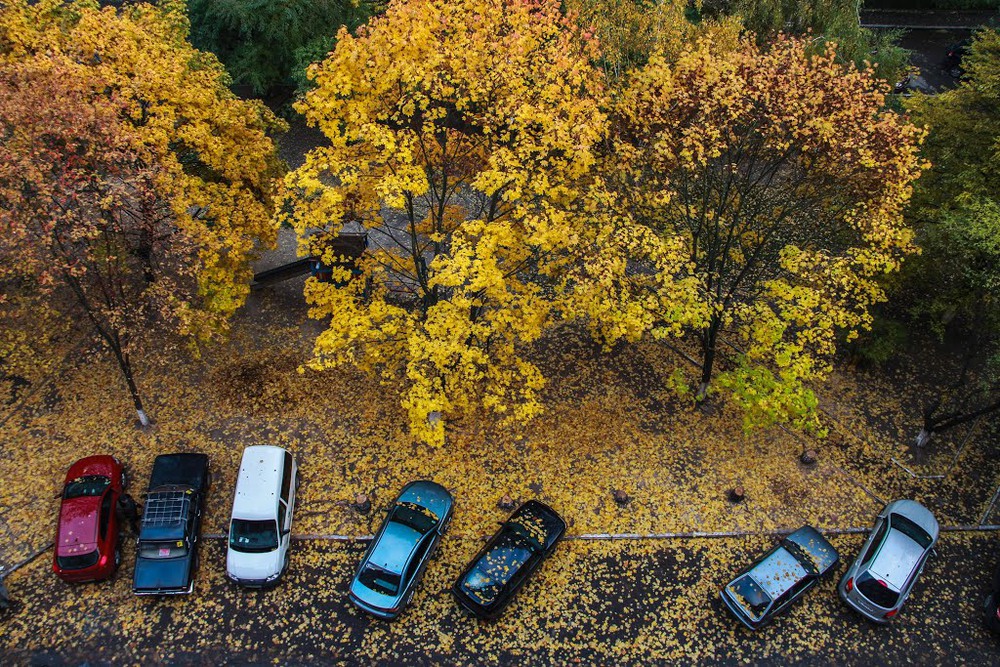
[594,603]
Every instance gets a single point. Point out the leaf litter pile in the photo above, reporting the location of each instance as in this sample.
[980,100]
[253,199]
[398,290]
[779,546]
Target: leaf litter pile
[611,424]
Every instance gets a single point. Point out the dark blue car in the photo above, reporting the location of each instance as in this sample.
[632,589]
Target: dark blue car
[167,555]
[780,577]
[395,560]
[527,538]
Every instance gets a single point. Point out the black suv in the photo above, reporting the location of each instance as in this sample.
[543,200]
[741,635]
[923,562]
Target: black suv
[168,538]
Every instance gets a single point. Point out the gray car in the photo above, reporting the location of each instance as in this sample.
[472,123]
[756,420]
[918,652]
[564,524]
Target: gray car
[780,577]
[881,578]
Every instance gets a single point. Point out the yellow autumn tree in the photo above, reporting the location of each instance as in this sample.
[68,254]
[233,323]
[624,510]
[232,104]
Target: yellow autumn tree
[132,181]
[462,138]
[784,177]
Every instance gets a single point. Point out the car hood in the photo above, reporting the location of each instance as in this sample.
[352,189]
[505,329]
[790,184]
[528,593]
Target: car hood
[78,525]
[169,574]
[253,566]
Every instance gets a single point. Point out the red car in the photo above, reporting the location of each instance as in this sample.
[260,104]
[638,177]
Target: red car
[87,539]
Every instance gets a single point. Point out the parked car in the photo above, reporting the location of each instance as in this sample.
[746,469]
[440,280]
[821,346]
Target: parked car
[167,555]
[498,571]
[262,516]
[396,558]
[881,578]
[991,605]
[88,537]
[781,576]
[953,57]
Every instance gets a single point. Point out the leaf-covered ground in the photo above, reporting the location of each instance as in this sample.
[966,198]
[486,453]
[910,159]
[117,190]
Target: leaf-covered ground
[610,424]
[609,603]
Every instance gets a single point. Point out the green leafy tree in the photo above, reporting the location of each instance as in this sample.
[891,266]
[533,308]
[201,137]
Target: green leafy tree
[784,178]
[265,44]
[955,284]
[826,21]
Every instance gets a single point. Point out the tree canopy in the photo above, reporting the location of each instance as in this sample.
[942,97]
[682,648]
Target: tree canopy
[955,285]
[130,177]
[463,138]
[785,178]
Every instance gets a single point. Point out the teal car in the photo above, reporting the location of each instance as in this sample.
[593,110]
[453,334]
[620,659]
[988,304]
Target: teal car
[399,553]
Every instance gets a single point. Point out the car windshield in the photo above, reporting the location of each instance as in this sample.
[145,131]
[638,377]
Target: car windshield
[750,596]
[877,591]
[495,569]
[78,562]
[162,550]
[532,528]
[911,530]
[415,516]
[90,485]
[253,537]
[379,579]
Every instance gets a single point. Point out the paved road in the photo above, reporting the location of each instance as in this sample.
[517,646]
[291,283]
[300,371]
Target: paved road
[594,603]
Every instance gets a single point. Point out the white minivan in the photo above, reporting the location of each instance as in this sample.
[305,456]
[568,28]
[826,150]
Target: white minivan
[262,516]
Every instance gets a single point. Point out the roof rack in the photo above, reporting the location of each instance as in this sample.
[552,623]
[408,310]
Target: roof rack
[166,507]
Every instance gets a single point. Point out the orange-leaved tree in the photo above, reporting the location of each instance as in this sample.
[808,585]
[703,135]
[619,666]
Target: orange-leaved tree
[131,179]
[462,137]
[784,176]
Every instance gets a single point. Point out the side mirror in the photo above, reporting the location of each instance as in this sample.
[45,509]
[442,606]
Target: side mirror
[286,531]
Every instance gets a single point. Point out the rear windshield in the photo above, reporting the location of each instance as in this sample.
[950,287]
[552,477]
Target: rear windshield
[911,530]
[91,485]
[379,580]
[161,550]
[77,562]
[253,536]
[749,596]
[877,591]
[415,516]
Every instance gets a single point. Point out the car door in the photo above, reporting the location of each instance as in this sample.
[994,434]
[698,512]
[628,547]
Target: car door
[417,562]
[106,523]
[286,502]
[786,599]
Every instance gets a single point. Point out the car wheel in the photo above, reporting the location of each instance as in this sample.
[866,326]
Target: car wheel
[444,526]
[409,599]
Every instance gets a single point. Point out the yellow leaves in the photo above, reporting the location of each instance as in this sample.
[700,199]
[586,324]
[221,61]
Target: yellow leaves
[463,135]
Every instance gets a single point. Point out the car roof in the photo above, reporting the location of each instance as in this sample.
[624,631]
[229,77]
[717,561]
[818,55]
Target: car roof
[258,483]
[778,571]
[395,545]
[896,559]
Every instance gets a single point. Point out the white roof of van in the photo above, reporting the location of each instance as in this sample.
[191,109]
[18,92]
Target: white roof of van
[258,483]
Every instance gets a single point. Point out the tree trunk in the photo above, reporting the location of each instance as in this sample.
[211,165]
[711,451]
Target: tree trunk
[708,342]
[125,364]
